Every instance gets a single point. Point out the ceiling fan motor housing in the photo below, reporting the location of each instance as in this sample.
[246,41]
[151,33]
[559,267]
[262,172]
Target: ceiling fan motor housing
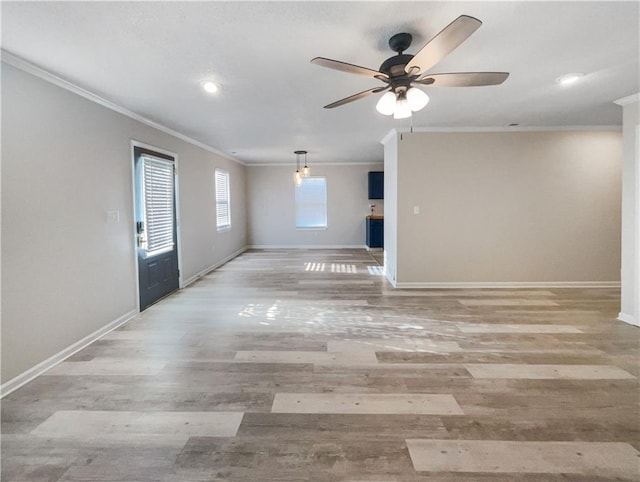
[394,68]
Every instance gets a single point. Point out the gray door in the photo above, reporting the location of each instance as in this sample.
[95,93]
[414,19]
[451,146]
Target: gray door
[156,231]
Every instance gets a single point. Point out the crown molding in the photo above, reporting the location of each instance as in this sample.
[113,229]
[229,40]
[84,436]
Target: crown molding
[512,129]
[407,130]
[630,99]
[30,68]
[292,164]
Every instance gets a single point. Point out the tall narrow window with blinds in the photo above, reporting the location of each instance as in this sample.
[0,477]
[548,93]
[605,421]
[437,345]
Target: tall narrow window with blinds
[311,203]
[157,183]
[223,208]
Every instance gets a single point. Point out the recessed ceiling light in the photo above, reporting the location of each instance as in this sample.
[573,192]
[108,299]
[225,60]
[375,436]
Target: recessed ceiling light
[568,79]
[210,87]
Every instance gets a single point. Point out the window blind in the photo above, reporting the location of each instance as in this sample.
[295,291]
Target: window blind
[311,203]
[158,204]
[223,212]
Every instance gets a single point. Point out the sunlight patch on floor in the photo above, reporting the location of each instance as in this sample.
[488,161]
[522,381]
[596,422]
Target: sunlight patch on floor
[343,268]
[314,266]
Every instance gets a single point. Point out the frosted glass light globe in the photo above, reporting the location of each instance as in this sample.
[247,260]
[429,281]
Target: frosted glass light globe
[402,110]
[387,103]
[417,99]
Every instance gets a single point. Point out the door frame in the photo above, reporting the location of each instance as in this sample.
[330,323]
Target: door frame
[134,244]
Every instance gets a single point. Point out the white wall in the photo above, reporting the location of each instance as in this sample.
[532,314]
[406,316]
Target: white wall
[500,207]
[66,161]
[630,272]
[271,208]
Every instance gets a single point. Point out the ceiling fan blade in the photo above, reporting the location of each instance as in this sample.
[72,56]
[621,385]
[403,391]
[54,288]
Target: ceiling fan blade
[353,97]
[464,79]
[349,68]
[442,44]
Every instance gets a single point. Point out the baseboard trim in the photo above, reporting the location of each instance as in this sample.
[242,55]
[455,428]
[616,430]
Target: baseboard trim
[509,284]
[40,368]
[307,246]
[213,267]
[629,319]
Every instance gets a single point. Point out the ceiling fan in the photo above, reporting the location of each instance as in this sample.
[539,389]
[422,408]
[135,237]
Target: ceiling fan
[401,72]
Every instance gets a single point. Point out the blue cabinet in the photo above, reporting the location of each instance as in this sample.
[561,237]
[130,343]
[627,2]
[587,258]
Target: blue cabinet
[376,185]
[375,232]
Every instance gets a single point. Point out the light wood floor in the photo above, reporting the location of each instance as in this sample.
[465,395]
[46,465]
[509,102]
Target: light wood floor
[307,366]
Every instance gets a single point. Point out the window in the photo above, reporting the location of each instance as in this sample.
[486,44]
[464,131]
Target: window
[223,210]
[157,185]
[311,203]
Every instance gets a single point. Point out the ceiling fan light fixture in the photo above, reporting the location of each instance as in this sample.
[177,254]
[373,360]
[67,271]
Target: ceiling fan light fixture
[401,71]
[387,103]
[417,99]
[402,109]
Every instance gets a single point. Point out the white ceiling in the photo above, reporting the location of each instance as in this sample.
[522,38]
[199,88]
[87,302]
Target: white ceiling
[150,58]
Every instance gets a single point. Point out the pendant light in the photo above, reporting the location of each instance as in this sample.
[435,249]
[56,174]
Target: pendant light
[297,175]
[305,172]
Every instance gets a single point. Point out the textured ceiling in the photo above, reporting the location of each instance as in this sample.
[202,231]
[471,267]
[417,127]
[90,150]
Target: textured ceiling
[151,57]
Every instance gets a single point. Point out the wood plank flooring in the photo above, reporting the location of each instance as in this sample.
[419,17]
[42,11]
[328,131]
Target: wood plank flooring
[305,365]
